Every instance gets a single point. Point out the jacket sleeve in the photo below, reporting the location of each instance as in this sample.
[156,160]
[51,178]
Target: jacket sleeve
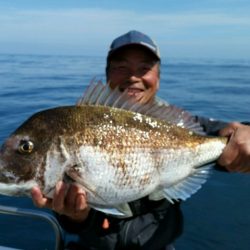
[210,126]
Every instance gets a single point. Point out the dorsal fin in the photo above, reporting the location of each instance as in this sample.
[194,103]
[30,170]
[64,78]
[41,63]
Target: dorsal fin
[101,94]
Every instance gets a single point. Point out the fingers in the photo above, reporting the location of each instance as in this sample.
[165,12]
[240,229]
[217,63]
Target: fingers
[39,200]
[229,130]
[82,209]
[80,202]
[70,200]
[241,163]
[67,200]
[75,205]
[229,153]
[236,155]
[59,197]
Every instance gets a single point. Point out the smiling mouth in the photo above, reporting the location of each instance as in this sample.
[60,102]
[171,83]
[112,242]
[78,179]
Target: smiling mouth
[134,91]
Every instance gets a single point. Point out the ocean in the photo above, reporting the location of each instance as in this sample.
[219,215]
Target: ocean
[217,217]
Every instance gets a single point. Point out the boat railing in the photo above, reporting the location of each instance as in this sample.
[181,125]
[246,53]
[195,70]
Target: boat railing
[59,242]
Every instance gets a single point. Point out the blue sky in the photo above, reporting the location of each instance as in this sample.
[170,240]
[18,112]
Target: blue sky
[182,28]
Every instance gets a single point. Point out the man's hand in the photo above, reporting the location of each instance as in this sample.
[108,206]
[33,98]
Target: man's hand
[236,155]
[67,200]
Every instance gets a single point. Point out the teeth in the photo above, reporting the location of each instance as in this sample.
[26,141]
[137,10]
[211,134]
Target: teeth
[134,92]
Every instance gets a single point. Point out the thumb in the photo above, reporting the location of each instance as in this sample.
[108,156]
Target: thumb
[230,129]
[229,153]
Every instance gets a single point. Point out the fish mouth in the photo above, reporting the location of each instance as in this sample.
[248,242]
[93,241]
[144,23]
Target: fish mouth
[7,177]
[17,189]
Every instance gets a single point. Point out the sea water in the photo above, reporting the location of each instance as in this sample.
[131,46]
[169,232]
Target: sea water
[217,217]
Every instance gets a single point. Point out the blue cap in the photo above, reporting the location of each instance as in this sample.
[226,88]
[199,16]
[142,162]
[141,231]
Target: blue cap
[134,37]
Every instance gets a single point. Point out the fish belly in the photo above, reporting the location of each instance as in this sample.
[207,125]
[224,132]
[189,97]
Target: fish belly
[114,178]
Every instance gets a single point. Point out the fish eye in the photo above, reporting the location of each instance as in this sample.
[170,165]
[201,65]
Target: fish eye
[25,147]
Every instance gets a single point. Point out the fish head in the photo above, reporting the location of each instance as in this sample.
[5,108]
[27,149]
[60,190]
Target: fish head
[22,158]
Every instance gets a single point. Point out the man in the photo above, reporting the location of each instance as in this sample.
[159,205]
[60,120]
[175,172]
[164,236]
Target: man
[133,63]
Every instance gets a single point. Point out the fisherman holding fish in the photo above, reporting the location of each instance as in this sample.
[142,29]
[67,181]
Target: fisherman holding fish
[153,221]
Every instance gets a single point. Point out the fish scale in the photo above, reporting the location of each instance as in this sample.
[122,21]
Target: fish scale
[117,150]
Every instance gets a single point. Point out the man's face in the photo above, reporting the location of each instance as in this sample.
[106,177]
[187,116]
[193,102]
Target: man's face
[136,70]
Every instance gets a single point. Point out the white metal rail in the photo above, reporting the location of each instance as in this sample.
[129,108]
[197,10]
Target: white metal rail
[59,242]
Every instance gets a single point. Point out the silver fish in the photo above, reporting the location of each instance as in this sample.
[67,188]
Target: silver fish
[117,150]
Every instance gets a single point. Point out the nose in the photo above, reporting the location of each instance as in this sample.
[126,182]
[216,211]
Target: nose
[134,74]
[133,78]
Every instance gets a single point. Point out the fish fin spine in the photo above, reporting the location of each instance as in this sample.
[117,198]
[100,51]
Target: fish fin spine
[184,189]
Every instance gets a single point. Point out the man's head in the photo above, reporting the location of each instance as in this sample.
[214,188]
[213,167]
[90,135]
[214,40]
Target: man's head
[133,63]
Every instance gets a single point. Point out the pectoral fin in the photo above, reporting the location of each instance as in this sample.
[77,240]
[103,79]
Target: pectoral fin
[72,175]
[188,186]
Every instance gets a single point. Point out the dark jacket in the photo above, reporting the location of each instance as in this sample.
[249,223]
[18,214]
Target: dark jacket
[155,224]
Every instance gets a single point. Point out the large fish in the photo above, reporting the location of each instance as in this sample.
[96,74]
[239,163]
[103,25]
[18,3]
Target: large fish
[116,149]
